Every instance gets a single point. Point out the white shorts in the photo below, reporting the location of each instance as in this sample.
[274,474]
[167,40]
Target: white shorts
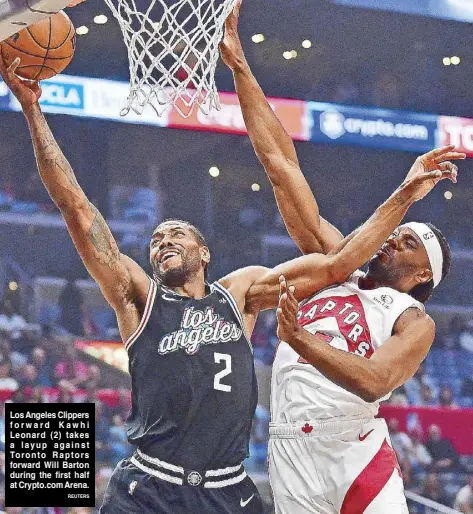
[339,467]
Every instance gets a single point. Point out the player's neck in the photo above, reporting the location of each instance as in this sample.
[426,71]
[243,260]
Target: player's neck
[369,282]
[193,288]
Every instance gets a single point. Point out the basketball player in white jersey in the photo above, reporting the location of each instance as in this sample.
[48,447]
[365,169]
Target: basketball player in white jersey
[346,347]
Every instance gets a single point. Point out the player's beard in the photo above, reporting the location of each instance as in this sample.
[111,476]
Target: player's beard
[179,275]
[386,274]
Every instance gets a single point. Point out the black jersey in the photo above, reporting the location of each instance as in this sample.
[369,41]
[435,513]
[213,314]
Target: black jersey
[194,389]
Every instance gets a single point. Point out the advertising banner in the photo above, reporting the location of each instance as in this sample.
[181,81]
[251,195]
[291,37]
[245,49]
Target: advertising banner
[458,132]
[377,128]
[91,98]
[292,114]
[461,10]
[111,352]
[304,121]
[456,424]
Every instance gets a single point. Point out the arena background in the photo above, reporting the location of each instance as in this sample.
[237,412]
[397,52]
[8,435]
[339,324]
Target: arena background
[366,92]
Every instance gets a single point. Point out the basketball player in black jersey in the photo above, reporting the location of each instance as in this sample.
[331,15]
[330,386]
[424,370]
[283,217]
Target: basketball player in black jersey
[193,381]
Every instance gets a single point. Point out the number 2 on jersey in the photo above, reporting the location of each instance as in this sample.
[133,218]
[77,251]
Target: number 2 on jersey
[227,359]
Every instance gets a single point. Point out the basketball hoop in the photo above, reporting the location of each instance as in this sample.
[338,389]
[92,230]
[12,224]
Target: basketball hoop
[172,51]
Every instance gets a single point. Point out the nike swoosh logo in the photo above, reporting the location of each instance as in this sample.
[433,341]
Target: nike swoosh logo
[363,437]
[170,298]
[245,503]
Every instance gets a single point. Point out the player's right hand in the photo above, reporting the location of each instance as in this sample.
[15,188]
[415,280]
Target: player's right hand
[286,312]
[230,48]
[27,92]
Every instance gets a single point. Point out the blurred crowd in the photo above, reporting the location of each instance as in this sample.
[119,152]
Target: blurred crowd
[386,89]
[432,467]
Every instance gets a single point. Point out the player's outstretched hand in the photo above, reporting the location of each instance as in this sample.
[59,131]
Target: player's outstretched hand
[27,92]
[75,2]
[287,311]
[438,159]
[435,160]
[230,48]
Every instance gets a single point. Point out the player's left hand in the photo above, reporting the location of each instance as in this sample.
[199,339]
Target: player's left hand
[230,48]
[438,159]
[287,311]
[75,2]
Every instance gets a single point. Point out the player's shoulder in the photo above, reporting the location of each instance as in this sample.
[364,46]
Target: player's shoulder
[417,316]
[240,282]
[242,277]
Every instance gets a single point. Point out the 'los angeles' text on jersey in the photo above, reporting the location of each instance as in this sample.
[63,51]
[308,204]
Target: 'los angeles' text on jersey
[199,327]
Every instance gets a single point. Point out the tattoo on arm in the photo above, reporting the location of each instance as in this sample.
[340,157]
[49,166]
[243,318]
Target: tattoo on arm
[62,163]
[50,158]
[62,185]
[106,249]
[54,156]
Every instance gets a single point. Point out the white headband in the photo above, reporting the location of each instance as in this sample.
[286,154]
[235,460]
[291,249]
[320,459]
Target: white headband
[432,247]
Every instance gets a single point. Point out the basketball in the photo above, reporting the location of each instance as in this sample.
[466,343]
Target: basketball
[44,48]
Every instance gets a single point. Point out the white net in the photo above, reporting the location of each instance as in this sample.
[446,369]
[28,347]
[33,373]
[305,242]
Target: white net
[172,51]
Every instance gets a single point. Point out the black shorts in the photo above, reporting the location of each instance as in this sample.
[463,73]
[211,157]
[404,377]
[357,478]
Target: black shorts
[133,491]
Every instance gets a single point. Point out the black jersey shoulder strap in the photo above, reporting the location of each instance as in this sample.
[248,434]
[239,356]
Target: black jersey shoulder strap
[231,301]
[146,314]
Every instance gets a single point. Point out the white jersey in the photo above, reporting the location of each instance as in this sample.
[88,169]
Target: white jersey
[348,318]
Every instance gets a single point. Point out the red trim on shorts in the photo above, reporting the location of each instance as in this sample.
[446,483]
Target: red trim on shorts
[371,481]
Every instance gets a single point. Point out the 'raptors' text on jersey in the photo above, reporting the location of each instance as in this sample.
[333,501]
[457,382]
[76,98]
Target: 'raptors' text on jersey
[194,389]
[348,318]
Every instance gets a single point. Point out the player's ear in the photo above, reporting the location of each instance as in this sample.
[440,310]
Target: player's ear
[205,254]
[423,276]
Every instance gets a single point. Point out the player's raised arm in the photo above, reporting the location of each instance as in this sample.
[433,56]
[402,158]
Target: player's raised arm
[313,272]
[276,152]
[117,275]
